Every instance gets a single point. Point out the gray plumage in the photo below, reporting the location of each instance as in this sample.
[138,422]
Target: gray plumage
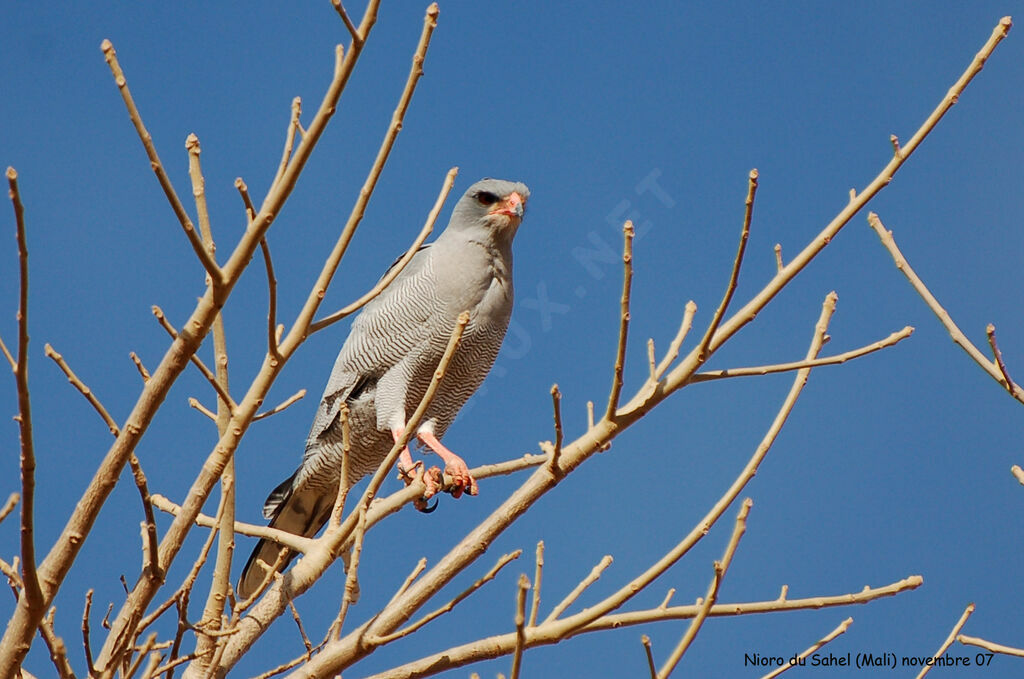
[390,355]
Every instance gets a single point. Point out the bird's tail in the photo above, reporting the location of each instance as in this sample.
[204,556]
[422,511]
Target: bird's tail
[298,511]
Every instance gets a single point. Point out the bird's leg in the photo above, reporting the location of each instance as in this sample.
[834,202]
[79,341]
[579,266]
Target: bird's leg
[406,467]
[405,463]
[453,465]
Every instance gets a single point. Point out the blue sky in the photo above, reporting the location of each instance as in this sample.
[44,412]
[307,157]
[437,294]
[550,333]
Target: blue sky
[892,465]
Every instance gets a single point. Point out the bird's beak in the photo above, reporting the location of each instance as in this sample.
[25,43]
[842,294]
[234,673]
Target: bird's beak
[512,206]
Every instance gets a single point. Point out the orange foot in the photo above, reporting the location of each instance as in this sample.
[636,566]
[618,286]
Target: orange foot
[453,466]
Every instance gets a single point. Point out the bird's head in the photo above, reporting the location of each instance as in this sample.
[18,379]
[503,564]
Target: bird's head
[494,205]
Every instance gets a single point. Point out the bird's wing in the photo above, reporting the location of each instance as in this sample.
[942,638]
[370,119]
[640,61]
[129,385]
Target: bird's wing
[385,331]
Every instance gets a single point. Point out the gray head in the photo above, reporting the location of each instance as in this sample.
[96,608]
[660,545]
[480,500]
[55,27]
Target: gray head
[491,208]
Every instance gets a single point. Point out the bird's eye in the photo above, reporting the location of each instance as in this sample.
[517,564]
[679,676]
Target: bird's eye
[486,198]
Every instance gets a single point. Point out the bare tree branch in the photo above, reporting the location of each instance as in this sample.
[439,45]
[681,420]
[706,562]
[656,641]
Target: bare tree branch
[32,597]
[620,350]
[537,575]
[294,398]
[889,341]
[581,587]
[716,582]
[55,645]
[520,622]
[462,596]
[949,640]
[397,267]
[196,361]
[86,391]
[843,626]
[990,645]
[209,263]
[991,367]
[500,645]
[730,289]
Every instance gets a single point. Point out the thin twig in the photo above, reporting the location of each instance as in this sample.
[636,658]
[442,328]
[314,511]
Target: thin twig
[652,366]
[207,373]
[520,621]
[289,141]
[296,543]
[12,502]
[268,265]
[537,575]
[409,629]
[990,645]
[208,262]
[947,321]
[302,630]
[620,351]
[85,391]
[272,574]
[889,341]
[194,403]
[32,592]
[556,451]
[949,640]
[272,331]
[340,8]
[55,645]
[351,574]
[294,398]
[171,664]
[151,567]
[397,267]
[591,578]
[85,634]
[843,626]
[646,641]
[346,460]
[990,331]
[409,579]
[730,289]
[677,341]
[138,366]
[7,354]
[716,582]
[779,266]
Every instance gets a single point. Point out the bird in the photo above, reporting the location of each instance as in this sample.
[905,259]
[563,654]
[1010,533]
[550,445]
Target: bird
[386,364]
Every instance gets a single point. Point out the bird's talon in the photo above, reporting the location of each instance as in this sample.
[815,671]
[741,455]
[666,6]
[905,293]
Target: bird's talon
[423,505]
